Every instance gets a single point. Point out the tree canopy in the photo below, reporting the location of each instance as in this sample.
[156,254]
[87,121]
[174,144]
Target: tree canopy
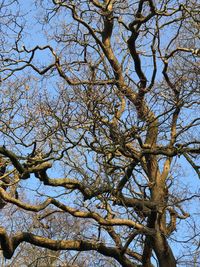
[99,132]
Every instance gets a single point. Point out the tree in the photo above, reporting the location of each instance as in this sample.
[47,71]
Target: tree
[100,120]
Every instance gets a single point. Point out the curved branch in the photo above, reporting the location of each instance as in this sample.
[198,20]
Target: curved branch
[76,213]
[9,245]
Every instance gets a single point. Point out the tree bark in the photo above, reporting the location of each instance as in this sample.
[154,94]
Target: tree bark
[163,251]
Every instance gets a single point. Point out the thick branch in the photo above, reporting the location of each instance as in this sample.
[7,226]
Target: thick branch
[9,245]
[14,158]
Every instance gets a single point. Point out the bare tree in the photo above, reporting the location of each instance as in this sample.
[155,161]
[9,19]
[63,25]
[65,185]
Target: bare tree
[100,120]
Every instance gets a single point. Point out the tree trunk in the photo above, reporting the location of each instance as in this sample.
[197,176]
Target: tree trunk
[163,251]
